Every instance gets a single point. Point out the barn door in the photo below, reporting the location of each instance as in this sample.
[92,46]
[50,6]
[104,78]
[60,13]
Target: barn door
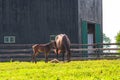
[84,33]
[98,36]
[90,41]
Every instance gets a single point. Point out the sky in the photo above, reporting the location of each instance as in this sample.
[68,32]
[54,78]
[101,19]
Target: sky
[111,18]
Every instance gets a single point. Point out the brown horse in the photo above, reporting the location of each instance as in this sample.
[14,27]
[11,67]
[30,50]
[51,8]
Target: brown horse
[63,46]
[45,48]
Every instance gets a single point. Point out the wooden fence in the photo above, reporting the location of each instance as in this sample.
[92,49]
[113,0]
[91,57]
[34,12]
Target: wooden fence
[97,51]
[23,52]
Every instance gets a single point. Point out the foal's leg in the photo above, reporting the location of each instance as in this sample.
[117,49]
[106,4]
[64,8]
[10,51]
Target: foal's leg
[34,57]
[57,53]
[46,57]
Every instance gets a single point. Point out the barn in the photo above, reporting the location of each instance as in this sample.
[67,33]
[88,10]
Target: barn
[38,21]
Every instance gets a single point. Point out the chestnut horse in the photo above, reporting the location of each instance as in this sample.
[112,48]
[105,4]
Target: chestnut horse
[45,48]
[63,46]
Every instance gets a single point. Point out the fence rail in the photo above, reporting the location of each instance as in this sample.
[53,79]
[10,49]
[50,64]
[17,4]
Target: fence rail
[23,52]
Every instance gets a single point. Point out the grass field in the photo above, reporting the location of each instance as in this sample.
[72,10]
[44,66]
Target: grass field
[75,70]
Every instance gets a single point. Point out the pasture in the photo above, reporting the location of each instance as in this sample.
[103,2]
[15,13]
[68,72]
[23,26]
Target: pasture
[75,70]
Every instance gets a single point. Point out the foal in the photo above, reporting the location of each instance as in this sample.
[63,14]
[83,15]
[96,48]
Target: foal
[45,48]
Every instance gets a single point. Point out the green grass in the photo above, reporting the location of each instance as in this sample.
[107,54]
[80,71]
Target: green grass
[75,70]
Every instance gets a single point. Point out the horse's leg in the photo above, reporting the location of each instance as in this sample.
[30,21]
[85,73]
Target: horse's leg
[57,53]
[63,55]
[68,55]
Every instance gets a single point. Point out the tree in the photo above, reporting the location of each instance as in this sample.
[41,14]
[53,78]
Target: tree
[106,40]
[118,37]
[118,40]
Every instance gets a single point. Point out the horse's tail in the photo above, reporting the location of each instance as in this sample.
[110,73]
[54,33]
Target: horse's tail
[66,41]
[33,53]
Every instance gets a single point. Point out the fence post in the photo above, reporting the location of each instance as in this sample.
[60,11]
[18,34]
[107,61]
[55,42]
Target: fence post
[98,50]
[84,53]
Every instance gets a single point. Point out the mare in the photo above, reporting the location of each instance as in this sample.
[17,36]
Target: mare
[42,48]
[63,46]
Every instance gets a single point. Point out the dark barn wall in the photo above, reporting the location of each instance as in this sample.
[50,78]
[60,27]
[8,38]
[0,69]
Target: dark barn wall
[55,16]
[0,17]
[33,21]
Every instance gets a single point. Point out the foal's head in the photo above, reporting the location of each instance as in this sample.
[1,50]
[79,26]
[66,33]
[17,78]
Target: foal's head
[53,44]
